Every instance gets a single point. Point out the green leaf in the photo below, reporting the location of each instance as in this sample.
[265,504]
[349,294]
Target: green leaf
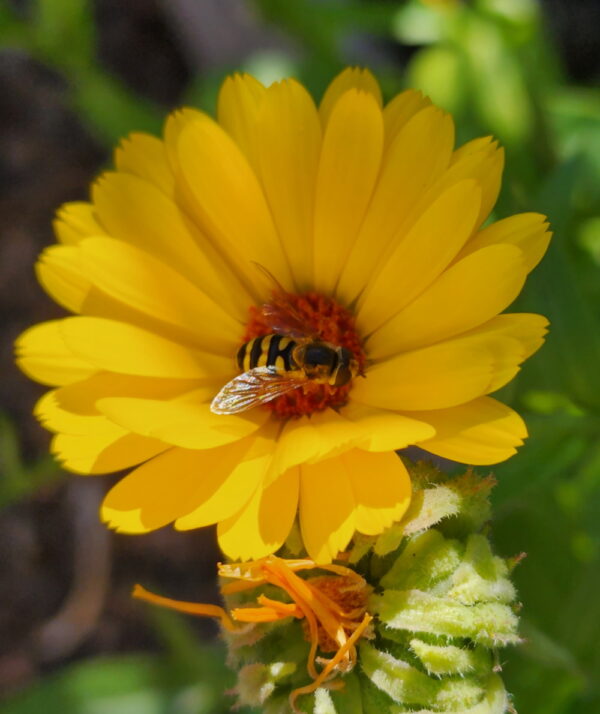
[64,31]
[554,507]
[541,647]
[571,355]
[18,479]
[418,24]
[555,446]
[439,72]
[588,237]
[13,31]
[128,684]
[109,108]
[500,93]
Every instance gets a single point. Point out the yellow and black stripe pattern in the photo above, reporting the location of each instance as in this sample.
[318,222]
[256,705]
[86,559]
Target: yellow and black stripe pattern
[268,351]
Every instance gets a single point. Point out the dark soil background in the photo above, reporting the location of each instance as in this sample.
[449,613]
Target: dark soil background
[65,582]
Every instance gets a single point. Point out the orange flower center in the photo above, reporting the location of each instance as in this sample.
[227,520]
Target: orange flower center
[351,600]
[328,321]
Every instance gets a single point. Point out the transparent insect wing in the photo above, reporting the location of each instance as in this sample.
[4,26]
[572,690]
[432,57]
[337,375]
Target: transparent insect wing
[280,313]
[248,390]
[284,319]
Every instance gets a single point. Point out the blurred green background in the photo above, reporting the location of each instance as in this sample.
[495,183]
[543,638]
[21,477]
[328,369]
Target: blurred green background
[75,76]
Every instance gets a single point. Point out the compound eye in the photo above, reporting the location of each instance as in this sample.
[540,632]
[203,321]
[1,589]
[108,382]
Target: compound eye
[319,355]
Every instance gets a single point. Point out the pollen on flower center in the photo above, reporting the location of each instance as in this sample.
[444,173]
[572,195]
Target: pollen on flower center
[328,321]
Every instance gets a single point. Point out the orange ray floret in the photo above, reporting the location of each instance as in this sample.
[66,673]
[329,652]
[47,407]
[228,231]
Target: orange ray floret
[333,608]
[190,608]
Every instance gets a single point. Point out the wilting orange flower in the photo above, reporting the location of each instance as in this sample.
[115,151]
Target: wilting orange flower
[334,607]
[372,224]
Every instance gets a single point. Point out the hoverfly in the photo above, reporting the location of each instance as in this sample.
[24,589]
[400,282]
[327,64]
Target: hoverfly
[288,358]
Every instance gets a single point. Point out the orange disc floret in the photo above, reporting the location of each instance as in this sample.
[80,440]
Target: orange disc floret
[327,320]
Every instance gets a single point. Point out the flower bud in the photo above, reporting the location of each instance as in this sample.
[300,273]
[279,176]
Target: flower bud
[442,605]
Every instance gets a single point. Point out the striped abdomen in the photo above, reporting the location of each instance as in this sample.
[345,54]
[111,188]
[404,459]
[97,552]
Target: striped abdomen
[267,351]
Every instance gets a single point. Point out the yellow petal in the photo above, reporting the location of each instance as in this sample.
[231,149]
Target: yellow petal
[327,509]
[526,330]
[444,375]
[483,160]
[101,452]
[230,478]
[175,124]
[64,274]
[470,148]
[228,202]
[381,487]
[329,433]
[264,523]
[59,272]
[400,110]
[528,231]
[42,354]
[136,279]
[223,264]
[348,168]
[481,432]
[384,430]
[417,157]
[181,422]
[109,278]
[171,486]
[54,417]
[137,212]
[421,256]
[91,444]
[75,221]
[468,294]
[81,397]
[310,440]
[144,155]
[289,143]
[349,78]
[126,349]
[238,107]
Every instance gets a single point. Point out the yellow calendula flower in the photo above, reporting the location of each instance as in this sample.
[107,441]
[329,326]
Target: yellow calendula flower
[349,238]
